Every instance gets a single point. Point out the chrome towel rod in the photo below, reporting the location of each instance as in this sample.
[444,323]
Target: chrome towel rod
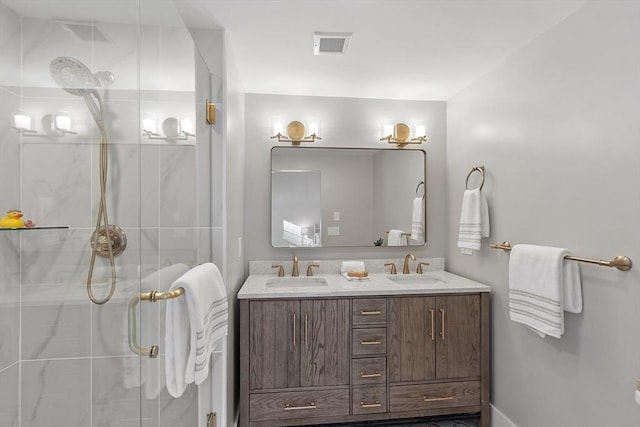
[620,262]
[152,296]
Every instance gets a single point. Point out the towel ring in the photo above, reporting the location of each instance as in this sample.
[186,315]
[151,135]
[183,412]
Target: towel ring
[418,189]
[475,168]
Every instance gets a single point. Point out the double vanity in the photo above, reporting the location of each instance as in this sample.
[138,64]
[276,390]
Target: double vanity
[327,348]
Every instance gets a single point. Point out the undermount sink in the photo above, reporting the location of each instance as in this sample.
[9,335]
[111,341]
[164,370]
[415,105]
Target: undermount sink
[296,282]
[416,279]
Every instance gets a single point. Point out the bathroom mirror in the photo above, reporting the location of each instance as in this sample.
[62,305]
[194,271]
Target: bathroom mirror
[341,197]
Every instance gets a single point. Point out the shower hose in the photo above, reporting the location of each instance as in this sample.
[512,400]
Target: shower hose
[90,97]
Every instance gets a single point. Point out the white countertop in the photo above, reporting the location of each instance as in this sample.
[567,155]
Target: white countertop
[269,286]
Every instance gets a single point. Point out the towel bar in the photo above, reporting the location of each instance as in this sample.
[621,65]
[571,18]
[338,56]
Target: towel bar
[404,234]
[620,262]
[152,296]
[474,169]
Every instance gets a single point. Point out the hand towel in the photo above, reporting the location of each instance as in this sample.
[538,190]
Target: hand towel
[474,219]
[151,380]
[195,322]
[356,266]
[540,280]
[417,220]
[397,238]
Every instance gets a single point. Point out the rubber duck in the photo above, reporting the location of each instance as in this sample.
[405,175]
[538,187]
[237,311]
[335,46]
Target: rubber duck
[13,219]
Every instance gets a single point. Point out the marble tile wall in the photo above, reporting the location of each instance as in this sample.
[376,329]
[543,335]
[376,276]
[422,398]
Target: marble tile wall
[63,360]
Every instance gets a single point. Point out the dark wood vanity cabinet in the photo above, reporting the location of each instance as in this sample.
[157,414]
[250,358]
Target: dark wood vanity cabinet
[335,360]
[298,343]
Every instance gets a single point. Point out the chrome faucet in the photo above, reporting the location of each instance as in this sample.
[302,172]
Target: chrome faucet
[405,266]
[294,272]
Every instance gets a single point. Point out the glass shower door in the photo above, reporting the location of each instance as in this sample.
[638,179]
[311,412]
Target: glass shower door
[64,360]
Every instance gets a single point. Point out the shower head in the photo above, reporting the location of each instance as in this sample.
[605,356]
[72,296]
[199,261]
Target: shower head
[75,77]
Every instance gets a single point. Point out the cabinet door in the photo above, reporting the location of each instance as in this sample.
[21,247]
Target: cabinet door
[325,342]
[274,359]
[412,339]
[458,339]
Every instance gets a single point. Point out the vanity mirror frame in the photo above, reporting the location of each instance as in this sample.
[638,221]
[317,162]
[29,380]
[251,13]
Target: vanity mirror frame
[385,183]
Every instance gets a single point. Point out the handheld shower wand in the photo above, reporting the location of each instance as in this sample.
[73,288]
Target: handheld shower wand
[107,240]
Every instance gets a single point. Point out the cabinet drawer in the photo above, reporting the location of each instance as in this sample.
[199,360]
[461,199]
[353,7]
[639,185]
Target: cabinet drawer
[369,400]
[298,404]
[372,370]
[428,396]
[369,311]
[369,341]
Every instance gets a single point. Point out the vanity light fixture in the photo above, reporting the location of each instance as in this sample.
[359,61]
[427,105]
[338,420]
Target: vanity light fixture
[57,125]
[172,129]
[295,132]
[399,134]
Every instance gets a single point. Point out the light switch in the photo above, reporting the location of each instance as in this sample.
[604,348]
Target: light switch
[336,216]
[333,231]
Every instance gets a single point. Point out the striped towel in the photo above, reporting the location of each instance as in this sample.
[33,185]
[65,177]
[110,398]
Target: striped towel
[474,219]
[542,285]
[417,220]
[195,323]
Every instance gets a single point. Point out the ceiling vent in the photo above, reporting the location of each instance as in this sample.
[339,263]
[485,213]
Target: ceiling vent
[85,31]
[331,43]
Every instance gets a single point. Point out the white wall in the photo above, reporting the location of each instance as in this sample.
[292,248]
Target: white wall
[556,127]
[345,122]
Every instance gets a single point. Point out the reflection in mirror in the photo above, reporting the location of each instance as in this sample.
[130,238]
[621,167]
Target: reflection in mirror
[340,197]
[296,217]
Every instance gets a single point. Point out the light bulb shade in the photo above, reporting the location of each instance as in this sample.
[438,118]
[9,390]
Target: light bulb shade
[278,128]
[149,126]
[62,122]
[387,130]
[22,121]
[186,126]
[421,130]
[314,128]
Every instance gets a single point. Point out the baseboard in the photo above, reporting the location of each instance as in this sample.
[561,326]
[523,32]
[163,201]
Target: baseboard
[498,419]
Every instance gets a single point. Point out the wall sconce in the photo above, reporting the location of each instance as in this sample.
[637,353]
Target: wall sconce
[400,132]
[295,132]
[172,129]
[54,125]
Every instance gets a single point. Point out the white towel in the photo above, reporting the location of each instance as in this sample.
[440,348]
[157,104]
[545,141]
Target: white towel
[195,322]
[542,285]
[355,266]
[417,220]
[152,378]
[397,238]
[474,219]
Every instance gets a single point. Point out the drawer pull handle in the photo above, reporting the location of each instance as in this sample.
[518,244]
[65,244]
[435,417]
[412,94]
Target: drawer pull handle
[377,404]
[436,399]
[370,312]
[374,375]
[443,323]
[289,407]
[376,342]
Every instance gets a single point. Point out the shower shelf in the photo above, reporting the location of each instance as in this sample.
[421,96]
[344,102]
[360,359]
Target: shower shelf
[44,227]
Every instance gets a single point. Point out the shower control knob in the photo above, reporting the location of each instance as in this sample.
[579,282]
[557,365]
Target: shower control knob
[117,239]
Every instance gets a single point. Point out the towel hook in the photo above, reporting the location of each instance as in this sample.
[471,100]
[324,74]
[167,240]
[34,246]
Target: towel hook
[418,189]
[475,168]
